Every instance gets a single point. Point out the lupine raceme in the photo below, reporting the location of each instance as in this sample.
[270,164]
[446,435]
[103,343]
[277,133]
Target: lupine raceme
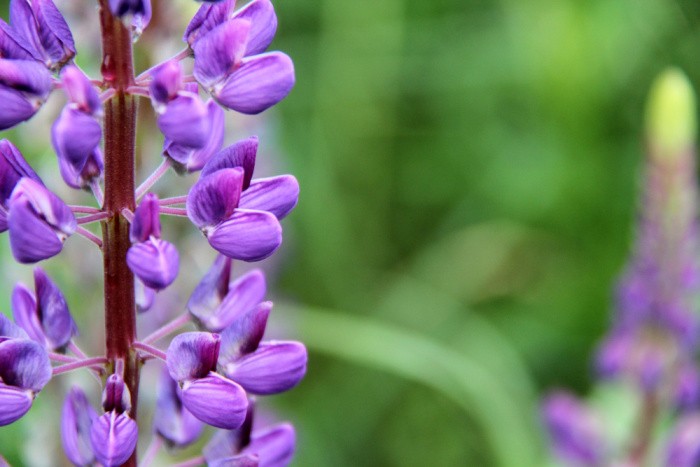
[649,352]
[211,376]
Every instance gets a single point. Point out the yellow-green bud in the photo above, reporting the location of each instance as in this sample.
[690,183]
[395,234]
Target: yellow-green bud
[670,115]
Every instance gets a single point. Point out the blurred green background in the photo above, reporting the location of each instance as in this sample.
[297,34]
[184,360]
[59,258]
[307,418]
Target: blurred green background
[469,173]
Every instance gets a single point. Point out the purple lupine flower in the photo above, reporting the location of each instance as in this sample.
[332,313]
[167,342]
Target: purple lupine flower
[260,367]
[41,24]
[240,216]
[212,398]
[267,447]
[24,87]
[12,45]
[77,419]
[247,84]
[216,303]
[574,431]
[153,260]
[39,222]
[187,159]
[24,370]
[77,132]
[12,168]
[113,435]
[44,314]
[172,421]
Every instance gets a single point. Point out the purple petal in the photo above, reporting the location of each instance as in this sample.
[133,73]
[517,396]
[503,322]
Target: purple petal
[113,438]
[244,335]
[24,311]
[80,91]
[155,262]
[24,364]
[192,355]
[216,401]
[14,403]
[274,446]
[56,319]
[40,23]
[76,421]
[12,45]
[12,168]
[275,367]
[240,154]
[209,16]
[26,76]
[144,296]
[10,329]
[92,170]
[211,290]
[214,198]
[75,135]
[259,83]
[278,195]
[127,7]
[31,239]
[243,295]
[16,108]
[38,221]
[189,159]
[172,421]
[263,20]
[140,20]
[167,81]
[185,121]
[219,52]
[247,235]
[48,205]
[146,222]
[683,449]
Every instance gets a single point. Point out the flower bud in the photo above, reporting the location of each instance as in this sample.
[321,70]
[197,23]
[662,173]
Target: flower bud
[146,222]
[80,91]
[186,159]
[155,262]
[113,438]
[12,168]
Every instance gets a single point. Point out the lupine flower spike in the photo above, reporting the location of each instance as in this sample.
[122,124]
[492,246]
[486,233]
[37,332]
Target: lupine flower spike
[654,335]
[207,377]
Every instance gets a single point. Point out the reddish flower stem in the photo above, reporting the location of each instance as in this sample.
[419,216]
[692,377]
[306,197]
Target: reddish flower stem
[119,146]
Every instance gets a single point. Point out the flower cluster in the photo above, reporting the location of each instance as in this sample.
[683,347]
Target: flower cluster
[653,341]
[214,375]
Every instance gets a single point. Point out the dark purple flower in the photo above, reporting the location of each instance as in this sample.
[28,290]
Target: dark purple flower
[216,303]
[40,24]
[76,423]
[212,398]
[25,369]
[243,335]
[44,315]
[574,432]
[39,222]
[172,421]
[129,7]
[153,260]
[12,168]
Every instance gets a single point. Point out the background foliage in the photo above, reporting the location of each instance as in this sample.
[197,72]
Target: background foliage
[469,171]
